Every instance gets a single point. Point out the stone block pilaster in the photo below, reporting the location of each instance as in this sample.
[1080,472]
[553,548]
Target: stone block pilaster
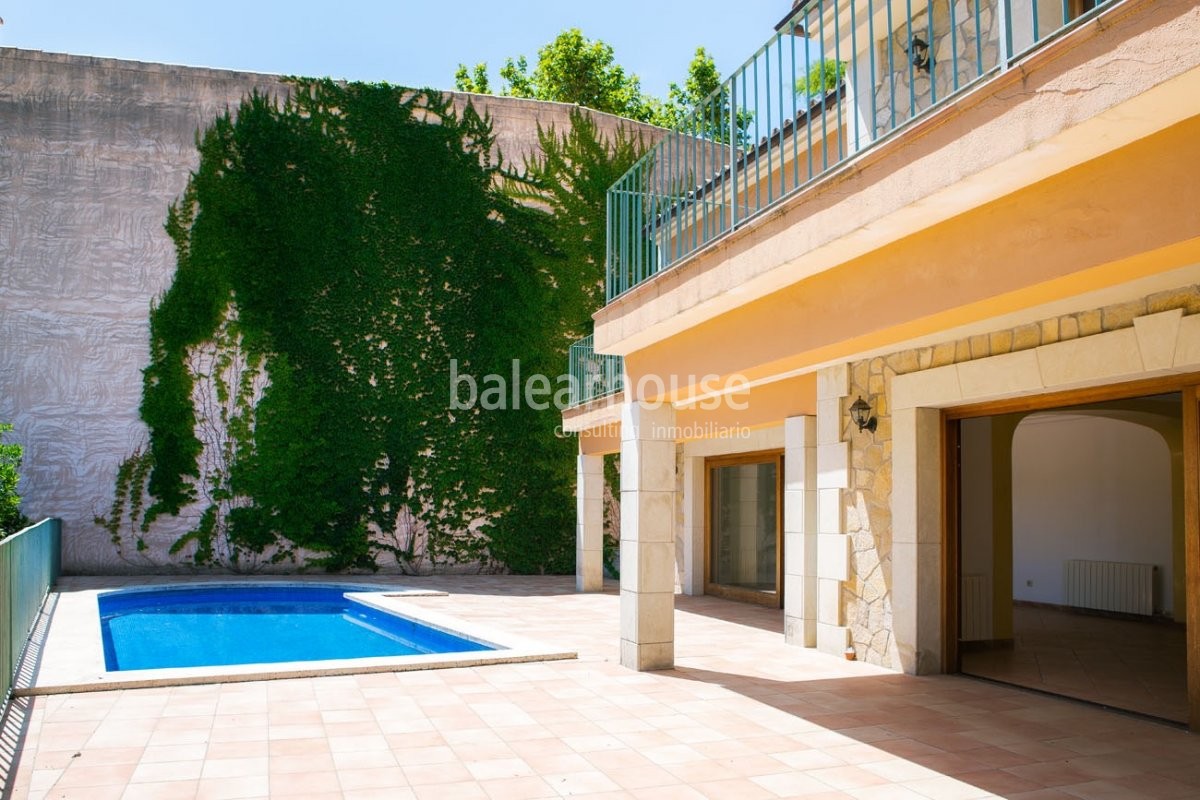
[800,531]
[589,523]
[647,536]
[833,477]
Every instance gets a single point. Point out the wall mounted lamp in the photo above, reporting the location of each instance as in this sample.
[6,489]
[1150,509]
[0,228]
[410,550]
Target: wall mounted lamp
[860,412]
[918,51]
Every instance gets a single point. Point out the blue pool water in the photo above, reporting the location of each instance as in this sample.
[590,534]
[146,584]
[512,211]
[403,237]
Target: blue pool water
[219,625]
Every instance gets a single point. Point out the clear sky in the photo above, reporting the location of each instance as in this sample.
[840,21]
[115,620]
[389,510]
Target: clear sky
[402,42]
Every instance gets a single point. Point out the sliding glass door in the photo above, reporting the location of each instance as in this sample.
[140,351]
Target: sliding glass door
[744,523]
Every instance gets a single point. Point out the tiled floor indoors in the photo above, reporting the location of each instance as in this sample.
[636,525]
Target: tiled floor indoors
[1140,666]
[742,716]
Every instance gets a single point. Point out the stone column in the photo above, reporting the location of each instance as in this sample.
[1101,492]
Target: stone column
[692,579]
[589,523]
[917,538]
[833,478]
[647,536]
[800,531]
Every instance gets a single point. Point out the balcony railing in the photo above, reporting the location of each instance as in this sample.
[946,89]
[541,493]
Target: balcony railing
[593,374]
[29,566]
[837,77]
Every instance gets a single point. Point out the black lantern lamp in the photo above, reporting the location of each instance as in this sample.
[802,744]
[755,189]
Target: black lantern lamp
[860,412]
[918,51]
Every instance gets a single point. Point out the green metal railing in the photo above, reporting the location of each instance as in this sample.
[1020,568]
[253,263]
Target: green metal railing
[29,565]
[593,374]
[837,77]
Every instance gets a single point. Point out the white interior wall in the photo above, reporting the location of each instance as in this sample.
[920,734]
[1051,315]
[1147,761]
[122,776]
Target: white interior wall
[1092,488]
[975,500]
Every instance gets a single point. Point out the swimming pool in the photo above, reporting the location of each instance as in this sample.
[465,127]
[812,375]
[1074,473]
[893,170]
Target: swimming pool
[210,625]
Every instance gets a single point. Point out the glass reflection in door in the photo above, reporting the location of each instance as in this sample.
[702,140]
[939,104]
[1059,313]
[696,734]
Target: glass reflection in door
[743,528]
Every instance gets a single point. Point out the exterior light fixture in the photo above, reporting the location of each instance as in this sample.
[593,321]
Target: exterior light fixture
[918,51]
[860,412]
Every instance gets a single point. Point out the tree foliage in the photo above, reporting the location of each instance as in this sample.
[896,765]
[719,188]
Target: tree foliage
[571,178]
[570,69]
[702,82]
[823,77]
[11,518]
[575,69]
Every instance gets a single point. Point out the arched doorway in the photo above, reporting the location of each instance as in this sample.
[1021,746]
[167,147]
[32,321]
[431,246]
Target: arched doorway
[1070,552]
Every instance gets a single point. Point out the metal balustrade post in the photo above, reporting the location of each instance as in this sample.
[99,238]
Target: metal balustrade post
[1004,25]
[733,148]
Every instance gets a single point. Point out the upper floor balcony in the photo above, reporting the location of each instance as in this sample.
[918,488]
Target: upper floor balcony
[593,375]
[838,78]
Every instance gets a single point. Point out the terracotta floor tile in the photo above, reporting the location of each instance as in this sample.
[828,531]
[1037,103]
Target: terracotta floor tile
[169,790]
[584,782]
[847,777]
[295,783]
[233,788]
[233,767]
[394,793]
[75,776]
[527,788]
[466,790]
[743,715]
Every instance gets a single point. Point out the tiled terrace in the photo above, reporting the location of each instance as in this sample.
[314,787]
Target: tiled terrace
[742,716]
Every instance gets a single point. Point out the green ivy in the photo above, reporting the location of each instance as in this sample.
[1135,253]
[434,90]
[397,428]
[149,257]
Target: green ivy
[11,518]
[335,251]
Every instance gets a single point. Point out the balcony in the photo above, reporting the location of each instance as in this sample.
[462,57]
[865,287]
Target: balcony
[593,375]
[836,79]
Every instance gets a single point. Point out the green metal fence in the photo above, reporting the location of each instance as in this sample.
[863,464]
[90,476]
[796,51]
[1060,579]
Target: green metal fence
[30,562]
[837,77]
[593,374]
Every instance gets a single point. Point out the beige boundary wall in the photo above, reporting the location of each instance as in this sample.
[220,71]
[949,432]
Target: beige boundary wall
[891,506]
[92,152]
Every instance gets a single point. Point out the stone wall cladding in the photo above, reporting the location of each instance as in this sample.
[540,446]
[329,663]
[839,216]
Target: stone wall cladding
[911,88]
[92,151]
[867,503]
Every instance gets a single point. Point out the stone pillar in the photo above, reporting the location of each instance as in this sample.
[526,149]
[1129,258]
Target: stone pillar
[833,477]
[647,536]
[692,580]
[917,538]
[800,531]
[589,523]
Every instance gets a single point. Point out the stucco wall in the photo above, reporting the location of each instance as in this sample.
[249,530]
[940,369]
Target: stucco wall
[92,151]
[1091,488]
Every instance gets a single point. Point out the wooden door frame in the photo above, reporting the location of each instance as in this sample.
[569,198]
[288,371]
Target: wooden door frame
[769,599]
[1189,387]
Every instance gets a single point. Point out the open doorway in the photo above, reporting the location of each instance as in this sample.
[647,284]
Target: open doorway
[1070,545]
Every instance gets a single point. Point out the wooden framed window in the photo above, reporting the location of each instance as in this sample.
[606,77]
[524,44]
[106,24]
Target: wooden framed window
[743,541]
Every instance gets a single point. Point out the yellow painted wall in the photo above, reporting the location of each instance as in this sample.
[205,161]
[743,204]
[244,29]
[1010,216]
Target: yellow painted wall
[1129,214]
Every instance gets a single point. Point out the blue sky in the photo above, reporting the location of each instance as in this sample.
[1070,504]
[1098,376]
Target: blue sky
[402,42]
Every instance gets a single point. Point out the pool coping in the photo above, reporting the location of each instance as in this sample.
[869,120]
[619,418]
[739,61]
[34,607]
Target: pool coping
[69,656]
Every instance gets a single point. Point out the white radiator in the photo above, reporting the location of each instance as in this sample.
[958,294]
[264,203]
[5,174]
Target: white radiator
[975,617]
[1110,586]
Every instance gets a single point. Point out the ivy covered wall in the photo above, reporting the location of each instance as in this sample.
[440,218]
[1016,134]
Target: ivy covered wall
[338,252]
[264,390]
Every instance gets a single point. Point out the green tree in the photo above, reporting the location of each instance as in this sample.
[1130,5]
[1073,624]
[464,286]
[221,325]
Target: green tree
[11,518]
[474,80]
[702,81]
[575,69]
[823,77]
[571,178]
